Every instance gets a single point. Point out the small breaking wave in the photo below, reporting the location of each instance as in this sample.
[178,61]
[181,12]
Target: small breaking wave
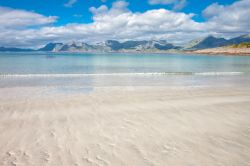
[123,74]
[219,73]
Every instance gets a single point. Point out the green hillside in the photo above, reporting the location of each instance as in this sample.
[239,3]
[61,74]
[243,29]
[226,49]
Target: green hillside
[241,45]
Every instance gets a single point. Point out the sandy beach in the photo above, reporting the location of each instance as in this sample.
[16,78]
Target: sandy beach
[125,126]
[224,51]
[124,83]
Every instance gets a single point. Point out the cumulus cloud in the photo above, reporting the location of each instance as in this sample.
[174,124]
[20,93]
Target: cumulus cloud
[212,10]
[233,18]
[160,20]
[177,4]
[12,18]
[70,3]
[117,22]
[120,23]
[100,10]
[180,5]
[164,2]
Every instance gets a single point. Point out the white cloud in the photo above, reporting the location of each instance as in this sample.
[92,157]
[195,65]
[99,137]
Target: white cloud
[233,18]
[177,4]
[70,3]
[100,10]
[164,2]
[16,26]
[180,5]
[212,10]
[12,18]
[118,22]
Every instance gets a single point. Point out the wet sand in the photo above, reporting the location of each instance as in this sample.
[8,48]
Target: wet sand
[125,126]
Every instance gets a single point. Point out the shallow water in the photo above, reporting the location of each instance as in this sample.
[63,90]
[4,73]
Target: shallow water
[91,70]
[61,63]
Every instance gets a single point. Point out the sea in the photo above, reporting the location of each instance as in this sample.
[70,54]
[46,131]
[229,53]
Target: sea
[90,70]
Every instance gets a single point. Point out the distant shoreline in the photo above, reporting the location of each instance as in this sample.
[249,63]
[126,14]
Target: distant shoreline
[211,52]
[223,51]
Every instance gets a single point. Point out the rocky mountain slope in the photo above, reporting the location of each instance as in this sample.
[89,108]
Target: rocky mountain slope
[213,42]
[110,45]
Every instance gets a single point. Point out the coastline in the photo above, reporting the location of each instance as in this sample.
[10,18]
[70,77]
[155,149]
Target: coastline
[209,52]
[222,51]
[64,115]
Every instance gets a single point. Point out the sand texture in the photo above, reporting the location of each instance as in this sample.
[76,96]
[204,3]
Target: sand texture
[224,51]
[126,126]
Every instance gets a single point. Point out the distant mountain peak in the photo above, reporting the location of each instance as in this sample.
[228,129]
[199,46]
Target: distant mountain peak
[212,42]
[13,49]
[50,46]
[244,36]
[207,42]
[136,45]
[110,45]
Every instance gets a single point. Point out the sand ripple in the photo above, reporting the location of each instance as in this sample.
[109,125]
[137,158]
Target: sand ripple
[155,127]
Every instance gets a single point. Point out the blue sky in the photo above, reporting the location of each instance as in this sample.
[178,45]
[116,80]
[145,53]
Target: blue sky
[33,23]
[79,12]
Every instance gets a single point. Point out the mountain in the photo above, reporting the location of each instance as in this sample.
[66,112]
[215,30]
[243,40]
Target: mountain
[207,42]
[136,46]
[51,47]
[71,47]
[109,45]
[8,49]
[140,45]
[213,42]
[240,39]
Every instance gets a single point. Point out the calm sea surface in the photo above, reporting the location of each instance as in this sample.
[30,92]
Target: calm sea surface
[50,69]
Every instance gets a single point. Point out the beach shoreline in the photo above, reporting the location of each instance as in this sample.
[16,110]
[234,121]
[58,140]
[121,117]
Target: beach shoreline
[125,125]
[227,51]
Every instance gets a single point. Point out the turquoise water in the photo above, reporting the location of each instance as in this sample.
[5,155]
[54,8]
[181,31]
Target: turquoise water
[47,63]
[92,70]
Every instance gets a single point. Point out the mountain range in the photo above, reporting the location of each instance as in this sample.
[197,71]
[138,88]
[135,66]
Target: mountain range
[109,46]
[10,49]
[212,42]
[136,46]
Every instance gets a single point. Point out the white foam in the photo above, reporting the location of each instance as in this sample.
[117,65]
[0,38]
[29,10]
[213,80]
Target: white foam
[219,73]
[122,74]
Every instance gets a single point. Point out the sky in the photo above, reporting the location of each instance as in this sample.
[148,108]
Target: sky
[29,23]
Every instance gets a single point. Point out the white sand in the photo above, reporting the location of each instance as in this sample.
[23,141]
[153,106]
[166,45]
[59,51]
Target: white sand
[131,126]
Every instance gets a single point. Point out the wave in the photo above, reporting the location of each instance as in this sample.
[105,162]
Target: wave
[124,74]
[220,73]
